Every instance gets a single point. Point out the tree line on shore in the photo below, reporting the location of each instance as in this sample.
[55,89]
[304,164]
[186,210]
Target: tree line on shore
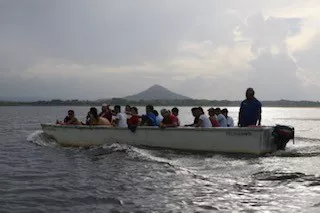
[187,102]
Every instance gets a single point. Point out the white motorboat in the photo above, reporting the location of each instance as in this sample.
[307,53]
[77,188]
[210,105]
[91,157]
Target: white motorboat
[257,140]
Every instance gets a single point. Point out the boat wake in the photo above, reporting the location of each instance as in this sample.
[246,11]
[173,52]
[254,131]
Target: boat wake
[146,155]
[99,152]
[133,153]
[41,139]
[141,154]
[297,152]
[304,139]
[171,159]
[280,176]
[303,147]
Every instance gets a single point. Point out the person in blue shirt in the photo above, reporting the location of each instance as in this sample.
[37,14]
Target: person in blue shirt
[250,110]
[149,119]
[159,118]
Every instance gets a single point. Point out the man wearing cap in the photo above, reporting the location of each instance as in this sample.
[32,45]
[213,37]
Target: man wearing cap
[250,110]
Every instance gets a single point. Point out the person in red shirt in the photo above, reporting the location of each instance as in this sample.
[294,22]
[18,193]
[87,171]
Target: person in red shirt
[106,112]
[213,118]
[169,120]
[134,120]
[175,112]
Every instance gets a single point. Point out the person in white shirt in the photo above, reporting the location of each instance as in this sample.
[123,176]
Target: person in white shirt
[230,122]
[120,118]
[204,121]
[222,120]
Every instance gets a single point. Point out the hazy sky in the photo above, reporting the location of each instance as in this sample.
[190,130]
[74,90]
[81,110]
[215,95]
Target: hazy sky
[211,49]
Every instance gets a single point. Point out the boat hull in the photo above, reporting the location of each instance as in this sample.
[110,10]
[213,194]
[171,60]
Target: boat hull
[230,140]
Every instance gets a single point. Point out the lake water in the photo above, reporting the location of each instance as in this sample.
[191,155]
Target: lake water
[37,175]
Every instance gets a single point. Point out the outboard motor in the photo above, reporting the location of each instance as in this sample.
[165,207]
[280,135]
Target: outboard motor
[282,134]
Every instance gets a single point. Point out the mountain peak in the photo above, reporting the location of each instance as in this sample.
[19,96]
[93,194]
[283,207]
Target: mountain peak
[157,86]
[156,92]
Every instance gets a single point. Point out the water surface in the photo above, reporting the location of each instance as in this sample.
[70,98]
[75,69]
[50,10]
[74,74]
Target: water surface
[37,175]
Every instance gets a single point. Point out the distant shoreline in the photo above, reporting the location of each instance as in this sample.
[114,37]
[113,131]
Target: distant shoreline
[302,107]
[188,102]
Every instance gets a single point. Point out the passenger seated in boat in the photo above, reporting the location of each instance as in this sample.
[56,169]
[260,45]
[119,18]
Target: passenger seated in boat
[230,122]
[203,119]
[128,109]
[149,119]
[106,112]
[196,118]
[120,120]
[70,119]
[213,118]
[87,119]
[128,112]
[158,117]
[175,112]
[169,120]
[134,120]
[222,120]
[95,119]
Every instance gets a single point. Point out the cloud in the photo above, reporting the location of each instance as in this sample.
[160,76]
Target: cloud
[274,71]
[99,32]
[204,49]
[276,76]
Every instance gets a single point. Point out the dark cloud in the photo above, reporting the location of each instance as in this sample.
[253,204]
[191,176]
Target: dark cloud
[267,32]
[103,32]
[108,35]
[275,73]
[275,77]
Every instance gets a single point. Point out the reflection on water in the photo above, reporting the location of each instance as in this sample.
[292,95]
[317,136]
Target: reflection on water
[36,174]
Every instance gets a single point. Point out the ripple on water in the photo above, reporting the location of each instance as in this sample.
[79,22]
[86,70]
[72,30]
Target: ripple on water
[288,177]
[121,178]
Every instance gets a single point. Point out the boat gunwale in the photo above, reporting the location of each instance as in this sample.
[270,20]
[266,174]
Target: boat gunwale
[255,129]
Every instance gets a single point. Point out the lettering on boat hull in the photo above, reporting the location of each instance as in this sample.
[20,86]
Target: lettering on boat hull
[230,133]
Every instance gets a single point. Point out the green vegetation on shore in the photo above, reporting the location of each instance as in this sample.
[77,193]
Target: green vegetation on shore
[187,102]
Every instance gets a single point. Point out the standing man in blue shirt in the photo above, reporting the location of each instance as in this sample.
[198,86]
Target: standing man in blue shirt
[250,110]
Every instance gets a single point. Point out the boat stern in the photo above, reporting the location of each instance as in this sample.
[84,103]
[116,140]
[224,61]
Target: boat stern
[282,135]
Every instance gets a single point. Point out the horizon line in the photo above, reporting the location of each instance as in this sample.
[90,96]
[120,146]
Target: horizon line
[112,99]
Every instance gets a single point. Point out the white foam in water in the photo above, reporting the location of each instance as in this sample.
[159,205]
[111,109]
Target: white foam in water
[40,138]
[108,149]
[176,164]
[116,147]
[145,154]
